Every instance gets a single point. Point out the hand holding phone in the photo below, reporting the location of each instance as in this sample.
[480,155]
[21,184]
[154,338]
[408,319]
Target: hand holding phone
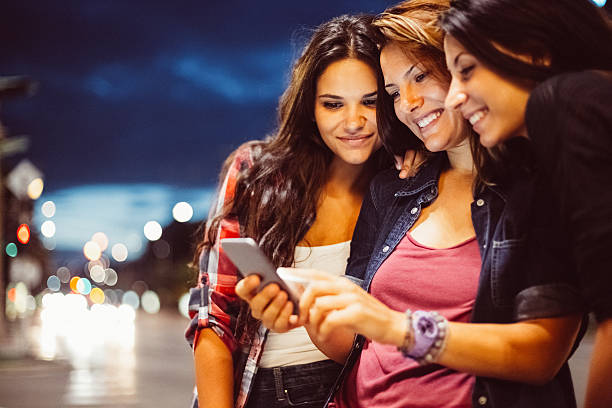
[250,259]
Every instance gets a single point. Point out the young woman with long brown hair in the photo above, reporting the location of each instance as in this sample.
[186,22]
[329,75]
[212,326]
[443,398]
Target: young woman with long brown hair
[298,194]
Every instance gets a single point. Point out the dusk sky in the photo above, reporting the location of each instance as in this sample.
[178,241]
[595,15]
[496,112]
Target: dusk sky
[140,101]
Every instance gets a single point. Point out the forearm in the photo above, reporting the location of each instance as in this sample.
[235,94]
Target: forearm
[599,393]
[337,346]
[531,351]
[214,371]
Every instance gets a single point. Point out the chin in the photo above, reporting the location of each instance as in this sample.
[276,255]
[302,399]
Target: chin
[489,141]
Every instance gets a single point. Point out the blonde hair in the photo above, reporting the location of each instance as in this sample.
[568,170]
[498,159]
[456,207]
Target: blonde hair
[413,24]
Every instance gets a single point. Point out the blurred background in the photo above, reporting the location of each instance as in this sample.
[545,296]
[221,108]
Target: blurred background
[115,118]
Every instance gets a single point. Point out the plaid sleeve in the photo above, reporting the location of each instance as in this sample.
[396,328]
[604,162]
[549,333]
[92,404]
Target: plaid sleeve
[213,302]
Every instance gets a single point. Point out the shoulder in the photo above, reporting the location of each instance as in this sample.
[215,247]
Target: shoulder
[386,183]
[246,154]
[571,109]
[574,90]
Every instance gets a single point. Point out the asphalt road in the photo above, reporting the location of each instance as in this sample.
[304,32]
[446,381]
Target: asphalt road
[155,370]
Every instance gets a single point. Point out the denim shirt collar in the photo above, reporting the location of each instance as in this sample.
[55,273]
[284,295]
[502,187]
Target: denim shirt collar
[427,176]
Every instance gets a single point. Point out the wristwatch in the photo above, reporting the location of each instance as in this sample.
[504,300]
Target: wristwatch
[429,330]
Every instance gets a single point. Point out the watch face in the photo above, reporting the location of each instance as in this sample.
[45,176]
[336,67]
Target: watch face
[427,326]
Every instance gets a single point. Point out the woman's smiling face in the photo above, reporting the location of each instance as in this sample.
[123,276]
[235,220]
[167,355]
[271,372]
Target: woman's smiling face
[494,105]
[418,98]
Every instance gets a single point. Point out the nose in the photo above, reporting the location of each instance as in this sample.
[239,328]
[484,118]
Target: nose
[410,101]
[456,95]
[355,119]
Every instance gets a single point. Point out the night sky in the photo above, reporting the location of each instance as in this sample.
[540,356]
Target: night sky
[140,101]
[150,91]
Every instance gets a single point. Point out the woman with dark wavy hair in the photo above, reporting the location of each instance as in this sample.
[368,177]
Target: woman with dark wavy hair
[298,194]
[540,73]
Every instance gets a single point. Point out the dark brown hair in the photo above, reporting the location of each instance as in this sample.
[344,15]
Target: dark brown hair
[276,199]
[556,36]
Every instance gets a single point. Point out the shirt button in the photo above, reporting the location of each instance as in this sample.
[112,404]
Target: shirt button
[414,210]
[482,400]
[480,202]
[386,248]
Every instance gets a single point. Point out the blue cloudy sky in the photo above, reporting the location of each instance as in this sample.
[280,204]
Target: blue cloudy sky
[140,101]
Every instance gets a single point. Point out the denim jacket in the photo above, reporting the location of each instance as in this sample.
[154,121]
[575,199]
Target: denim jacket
[510,286]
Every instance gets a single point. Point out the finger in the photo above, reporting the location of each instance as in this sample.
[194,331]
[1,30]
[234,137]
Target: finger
[259,302]
[398,162]
[283,321]
[273,309]
[325,304]
[247,288]
[317,289]
[344,318]
[407,167]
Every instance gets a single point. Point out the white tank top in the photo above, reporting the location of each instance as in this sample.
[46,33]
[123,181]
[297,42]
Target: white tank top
[295,346]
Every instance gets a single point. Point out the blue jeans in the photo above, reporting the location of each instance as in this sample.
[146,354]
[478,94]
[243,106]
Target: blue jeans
[302,385]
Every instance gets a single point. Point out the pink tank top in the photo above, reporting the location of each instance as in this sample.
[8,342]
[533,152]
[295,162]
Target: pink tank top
[416,277]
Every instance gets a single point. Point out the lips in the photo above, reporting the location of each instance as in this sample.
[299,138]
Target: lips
[357,139]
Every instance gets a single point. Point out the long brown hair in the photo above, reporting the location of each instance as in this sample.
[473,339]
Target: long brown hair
[276,199]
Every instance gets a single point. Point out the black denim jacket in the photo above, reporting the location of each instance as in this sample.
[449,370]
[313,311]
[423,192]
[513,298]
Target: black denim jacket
[512,286]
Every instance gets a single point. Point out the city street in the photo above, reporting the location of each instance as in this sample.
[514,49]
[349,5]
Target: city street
[152,370]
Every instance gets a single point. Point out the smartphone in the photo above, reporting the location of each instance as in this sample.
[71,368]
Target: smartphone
[250,259]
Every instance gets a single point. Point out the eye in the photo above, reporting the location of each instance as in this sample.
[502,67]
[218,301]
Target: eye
[420,77]
[369,102]
[394,94]
[465,72]
[332,105]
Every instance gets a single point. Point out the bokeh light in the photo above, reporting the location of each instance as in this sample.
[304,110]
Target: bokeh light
[111,277]
[97,273]
[131,299]
[119,252]
[150,302]
[63,274]
[73,283]
[92,251]
[23,234]
[161,249]
[111,297]
[183,305]
[48,228]
[140,287]
[48,209]
[12,294]
[49,243]
[11,249]
[35,188]
[54,283]
[152,230]
[101,239]
[83,286]
[182,212]
[97,296]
